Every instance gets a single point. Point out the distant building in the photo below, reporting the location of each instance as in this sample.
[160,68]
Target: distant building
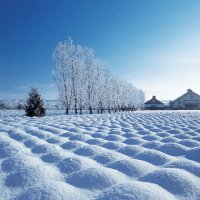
[190,100]
[154,104]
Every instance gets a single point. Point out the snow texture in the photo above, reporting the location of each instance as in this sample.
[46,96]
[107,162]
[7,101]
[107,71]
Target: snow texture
[122,156]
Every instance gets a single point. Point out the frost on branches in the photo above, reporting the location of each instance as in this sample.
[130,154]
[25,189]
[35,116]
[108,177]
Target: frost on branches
[34,104]
[85,82]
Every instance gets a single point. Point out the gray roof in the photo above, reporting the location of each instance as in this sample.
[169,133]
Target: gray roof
[189,91]
[154,101]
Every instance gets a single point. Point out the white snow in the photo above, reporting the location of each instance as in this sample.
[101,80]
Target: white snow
[132,155]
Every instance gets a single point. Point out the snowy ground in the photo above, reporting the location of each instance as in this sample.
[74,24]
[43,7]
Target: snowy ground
[135,155]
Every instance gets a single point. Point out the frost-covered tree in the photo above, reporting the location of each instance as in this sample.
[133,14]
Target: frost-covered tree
[62,73]
[34,104]
[101,87]
[86,82]
[90,77]
[80,80]
[68,61]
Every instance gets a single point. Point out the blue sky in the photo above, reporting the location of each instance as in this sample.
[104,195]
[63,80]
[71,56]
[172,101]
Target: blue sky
[153,44]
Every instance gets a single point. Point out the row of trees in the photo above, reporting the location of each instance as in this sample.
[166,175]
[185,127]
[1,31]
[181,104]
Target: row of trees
[85,82]
[5,105]
[20,104]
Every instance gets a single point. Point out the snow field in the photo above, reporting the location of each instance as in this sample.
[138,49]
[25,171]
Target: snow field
[133,155]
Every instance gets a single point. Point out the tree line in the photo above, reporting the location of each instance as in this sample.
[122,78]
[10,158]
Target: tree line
[85,82]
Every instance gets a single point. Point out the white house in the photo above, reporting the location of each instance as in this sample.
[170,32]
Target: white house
[154,104]
[189,100]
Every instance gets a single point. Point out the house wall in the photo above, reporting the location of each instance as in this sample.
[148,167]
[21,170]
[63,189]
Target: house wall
[157,106]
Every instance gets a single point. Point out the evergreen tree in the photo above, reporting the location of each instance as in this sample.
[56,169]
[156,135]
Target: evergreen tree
[34,104]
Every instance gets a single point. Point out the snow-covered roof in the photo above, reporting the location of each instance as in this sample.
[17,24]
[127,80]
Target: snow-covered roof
[189,91]
[153,101]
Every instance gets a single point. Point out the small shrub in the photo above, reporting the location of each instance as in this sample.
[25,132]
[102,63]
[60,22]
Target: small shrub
[34,104]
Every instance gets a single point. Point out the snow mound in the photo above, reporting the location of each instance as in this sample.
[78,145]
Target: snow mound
[196,138]
[176,181]
[51,157]
[22,178]
[105,158]
[113,138]
[151,137]
[128,135]
[136,190]
[134,141]
[11,164]
[143,132]
[30,143]
[134,168]
[183,136]
[172,149]
[99,135]
[152,144]
[112,145]
[169,139]
[40,149]
[51,191]
[97,141]
[72,145]
[189,165]
[67,134]
[190,143]
[130,150]
[88,150]
[194,154]
[153,157]
[18,136]
[6,152]
[40,134]
[69,165]
[174,131]
[53,140]
[94,178]
[163,135]
[80,137]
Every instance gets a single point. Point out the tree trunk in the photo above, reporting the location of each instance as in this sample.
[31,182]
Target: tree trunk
[67,111]
[81,111]
[90,110]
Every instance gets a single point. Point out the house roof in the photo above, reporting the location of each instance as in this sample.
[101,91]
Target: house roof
[154,101]
[189,91]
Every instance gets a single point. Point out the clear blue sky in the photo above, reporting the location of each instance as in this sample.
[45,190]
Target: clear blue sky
[155,44]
